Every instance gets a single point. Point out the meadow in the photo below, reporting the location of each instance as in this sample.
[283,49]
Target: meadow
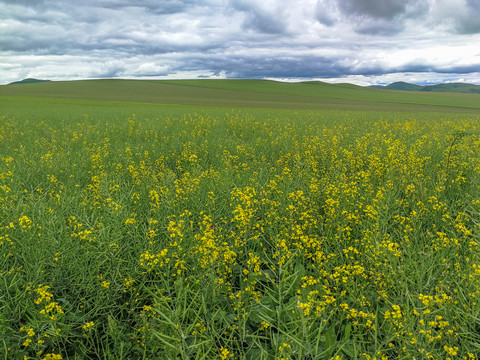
[301,226]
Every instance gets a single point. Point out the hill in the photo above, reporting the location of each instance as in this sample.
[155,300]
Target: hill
[447,87]
[28,81]
[400,85]
[231,93]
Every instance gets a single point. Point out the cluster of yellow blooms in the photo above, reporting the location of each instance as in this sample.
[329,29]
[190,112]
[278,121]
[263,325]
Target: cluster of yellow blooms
[280,238]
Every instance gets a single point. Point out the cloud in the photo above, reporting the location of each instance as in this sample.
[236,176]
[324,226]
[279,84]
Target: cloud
[375,17]
[374,8]
[158,7]
[236,38]
[260,66]
[459,17]
[24,2]
[468,22]
[264,17]
[326,12]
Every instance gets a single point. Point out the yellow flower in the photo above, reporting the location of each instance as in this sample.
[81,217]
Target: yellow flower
[88,325]
[27,342]
[224,353]
[52,357]
[451,350]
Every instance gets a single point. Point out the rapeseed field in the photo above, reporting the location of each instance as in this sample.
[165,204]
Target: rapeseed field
[240,235]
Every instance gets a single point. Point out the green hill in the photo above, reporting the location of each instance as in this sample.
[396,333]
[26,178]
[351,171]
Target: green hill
[403,86]
[399,85]
[28,81]
[447,87]
[454,87]
[247,94]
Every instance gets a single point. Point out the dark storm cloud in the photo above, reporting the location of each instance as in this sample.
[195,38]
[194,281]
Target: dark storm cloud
[265,66]
[374,8]
[153,6]
[375,17]
[307,67]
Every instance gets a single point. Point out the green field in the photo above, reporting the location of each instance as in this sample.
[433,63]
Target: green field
[238,219]
[248,94]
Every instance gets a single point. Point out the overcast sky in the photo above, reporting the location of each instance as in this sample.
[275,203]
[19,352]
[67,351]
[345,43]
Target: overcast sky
[358,41]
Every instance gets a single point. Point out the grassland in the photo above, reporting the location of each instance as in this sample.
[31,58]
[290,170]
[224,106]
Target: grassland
[281,221]
[249,94]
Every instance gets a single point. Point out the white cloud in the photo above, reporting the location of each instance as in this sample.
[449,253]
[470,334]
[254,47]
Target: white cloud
[360,40]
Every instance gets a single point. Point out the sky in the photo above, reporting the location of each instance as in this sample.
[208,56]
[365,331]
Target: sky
[363,42]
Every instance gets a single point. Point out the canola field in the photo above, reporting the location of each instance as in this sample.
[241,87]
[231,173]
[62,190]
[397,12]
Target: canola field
[181,233]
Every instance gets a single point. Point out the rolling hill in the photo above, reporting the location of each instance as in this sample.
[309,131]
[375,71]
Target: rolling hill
[231,93]
[28,81]
[447,87]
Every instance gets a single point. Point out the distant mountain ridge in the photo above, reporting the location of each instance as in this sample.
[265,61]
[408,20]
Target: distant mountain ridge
[28,81]
[446,87]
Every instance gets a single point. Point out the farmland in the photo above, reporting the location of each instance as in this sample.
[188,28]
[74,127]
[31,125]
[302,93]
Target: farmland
[238,220]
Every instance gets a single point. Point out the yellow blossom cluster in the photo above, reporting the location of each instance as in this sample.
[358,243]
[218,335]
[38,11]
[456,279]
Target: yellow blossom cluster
[280,236]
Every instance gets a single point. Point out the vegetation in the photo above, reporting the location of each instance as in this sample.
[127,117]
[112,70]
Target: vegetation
[147,231]
[28,81]
[248,94]
[447,87]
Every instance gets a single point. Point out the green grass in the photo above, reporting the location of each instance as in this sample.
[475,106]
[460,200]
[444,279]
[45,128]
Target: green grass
[248,94]
[139,230]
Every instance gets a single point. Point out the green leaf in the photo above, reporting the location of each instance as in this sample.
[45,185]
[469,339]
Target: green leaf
[348,331]
[330,338]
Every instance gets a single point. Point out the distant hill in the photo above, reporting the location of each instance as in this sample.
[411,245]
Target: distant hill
[28,81]
[237,93]
[447,87]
